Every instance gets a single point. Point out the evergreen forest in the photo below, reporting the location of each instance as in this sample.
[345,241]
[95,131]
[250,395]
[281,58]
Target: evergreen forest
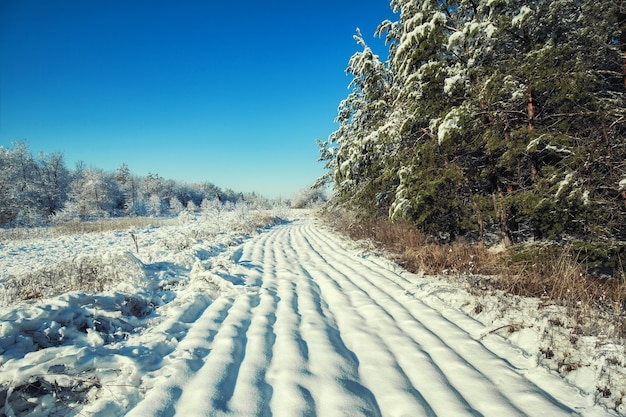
[491,120]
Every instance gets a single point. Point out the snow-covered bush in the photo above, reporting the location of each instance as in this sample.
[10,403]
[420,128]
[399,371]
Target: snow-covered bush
[89,273]
[69,213]
[95,193]
[156,205]
[191,206]
[138,208]
[308,197]
[176,206]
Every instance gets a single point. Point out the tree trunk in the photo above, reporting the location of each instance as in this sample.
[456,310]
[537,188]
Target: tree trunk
[498,204]
[622,40]
[477,212]
[624,67]
[531,111]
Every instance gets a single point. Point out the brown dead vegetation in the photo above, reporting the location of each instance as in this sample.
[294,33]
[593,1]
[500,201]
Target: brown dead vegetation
[555,274]
[80,227]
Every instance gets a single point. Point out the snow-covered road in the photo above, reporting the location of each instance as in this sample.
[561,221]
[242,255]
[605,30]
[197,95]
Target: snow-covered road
[323,330]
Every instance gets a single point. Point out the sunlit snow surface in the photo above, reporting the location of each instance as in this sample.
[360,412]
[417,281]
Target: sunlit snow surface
[292,321]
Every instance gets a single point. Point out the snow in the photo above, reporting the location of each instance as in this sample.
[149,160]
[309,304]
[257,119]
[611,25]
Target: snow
[471,28]
[449,124]
[534,144]
[558,150]
[523,17]
[220,320]
[564,183]
[416,29]
[400,206]
[451,82]
[456,39]
[585,198]
[490,29]
[426,70]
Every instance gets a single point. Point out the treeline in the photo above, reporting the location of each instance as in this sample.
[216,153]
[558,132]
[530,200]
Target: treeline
[40,189]
[490,119]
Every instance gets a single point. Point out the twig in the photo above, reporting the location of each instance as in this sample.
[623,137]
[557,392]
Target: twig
[135,240]
[514,325]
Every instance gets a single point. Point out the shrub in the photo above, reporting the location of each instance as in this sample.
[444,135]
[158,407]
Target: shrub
[94,273]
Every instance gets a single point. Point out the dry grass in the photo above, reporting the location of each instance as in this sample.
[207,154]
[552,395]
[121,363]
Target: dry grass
[551,273]
[255,222]
[559,275]
[416,251]
[104,225]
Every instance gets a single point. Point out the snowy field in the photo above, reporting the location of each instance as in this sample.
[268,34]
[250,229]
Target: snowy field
[221,316]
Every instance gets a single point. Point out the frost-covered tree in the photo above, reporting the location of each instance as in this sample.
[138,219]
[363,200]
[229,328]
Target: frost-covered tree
[152,184]
[95,193]
[128,186]
[54,179]
[31,188]
[37,189]
[353,152]
[17,182]
[156,206]
[176,206]
[7,199]
[308,197]
[496,115]
[191,206]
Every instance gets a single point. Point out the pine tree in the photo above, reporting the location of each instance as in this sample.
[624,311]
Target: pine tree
[127,184]
[354,150]
[504,116]
[541,135]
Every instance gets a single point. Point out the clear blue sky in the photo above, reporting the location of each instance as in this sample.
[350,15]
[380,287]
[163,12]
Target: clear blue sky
[234,93]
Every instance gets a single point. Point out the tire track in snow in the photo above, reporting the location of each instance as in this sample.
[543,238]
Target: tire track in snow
[232,380]
[212,386]
[366,339]
[329,333]
[442,351]
[183,363]
[333,369]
